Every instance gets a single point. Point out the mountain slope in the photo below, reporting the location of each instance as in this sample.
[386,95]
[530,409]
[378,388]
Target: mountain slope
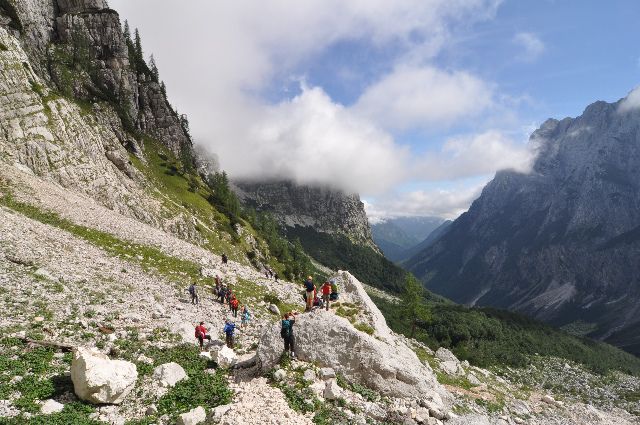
[561,243]
[396,236]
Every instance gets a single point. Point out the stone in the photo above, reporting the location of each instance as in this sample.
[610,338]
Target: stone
[51,406]
[332,390]
[169,374]
[274,309]
[309,375]
[100,380]
[452,368]
[445,355]
[151,410]
[328,340]
[220,411]
[327,373]
[44,274]
[279,375]
[206,355]
[226,357]
[473,379]
[185,330]
[437,413]
[38,319]
[193,417]
[548,399]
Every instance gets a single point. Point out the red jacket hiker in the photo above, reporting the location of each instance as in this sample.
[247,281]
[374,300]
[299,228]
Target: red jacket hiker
[234,303]
[201,331]
[326,288]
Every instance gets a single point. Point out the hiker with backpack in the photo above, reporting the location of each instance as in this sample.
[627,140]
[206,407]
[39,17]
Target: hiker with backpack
[233,304]
[201,335]
[222,293]
[224,259]
[286,332]
[193,291]
[334,290]
[218,285]
[246,316]
[326,294]
[229,329]
[310,292]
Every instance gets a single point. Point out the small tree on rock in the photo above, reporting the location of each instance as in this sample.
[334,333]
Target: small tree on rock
[413,305]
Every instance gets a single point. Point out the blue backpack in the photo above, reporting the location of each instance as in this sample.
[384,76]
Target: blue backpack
[229,328]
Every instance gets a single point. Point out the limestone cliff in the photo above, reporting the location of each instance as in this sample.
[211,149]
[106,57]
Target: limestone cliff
[79,47]
[325,210]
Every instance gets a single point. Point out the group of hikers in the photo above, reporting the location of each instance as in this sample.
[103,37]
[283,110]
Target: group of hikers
[270,274]
[224,294]
[329,293]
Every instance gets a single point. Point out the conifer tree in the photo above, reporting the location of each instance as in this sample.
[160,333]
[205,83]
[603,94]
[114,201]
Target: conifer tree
[414,308]
[154,69]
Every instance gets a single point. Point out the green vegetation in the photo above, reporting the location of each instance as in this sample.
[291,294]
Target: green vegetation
[339,253]
[42,378]
[489,337]
[3,47]
[413,307]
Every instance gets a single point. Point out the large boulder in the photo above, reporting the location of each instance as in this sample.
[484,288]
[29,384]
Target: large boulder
[100,380]
[352,290]
[169,374]
[322,338]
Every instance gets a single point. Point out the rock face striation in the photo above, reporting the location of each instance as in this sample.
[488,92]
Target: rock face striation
[325,210]
[79,46]
[562,243]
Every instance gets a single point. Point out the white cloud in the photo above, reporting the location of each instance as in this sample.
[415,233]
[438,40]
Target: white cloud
[449,203]
[424,97]
[474,155]
[532,46]
[315,141]
[631,101]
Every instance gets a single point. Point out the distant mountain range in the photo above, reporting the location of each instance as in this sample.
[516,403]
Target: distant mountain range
[399,237]
[561,243]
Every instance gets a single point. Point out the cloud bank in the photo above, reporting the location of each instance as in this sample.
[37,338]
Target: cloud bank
[222,60]
[531,45]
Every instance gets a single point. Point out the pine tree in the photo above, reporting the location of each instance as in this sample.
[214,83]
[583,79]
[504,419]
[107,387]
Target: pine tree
[163,89]
[138,47]
[127,31]
[154,69]
[413,306]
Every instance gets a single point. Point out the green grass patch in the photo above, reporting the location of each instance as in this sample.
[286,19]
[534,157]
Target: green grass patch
[363,327]
[367,393]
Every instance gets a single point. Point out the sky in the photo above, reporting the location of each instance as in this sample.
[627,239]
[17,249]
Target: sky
[413,104]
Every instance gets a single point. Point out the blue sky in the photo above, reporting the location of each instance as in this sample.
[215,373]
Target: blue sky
[413,103]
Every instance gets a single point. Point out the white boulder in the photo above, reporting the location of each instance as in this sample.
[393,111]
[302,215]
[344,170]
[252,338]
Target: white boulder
[332,390]
[226,357]
[193,417]
[309,375]
[169,374]
[185,330]
[100,380]
[274,309]
[331,341]
[51,406]
[446,355]
[279,375]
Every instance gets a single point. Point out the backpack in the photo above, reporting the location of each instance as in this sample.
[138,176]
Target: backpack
[192,289]
[228,328]
[285,331]
[334,286]
[234,303]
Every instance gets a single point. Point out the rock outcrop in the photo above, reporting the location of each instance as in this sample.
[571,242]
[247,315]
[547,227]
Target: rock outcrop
[561,243]
[328,340]
[100,380]
[169,374]
[323,209]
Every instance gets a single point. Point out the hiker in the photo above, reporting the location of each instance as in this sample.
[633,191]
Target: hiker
[218,284]
[246,316]
[326,294]
[275,276]
[228,295]
[270,272]
[229,329]
[286,332]
[201,334]
[334,290]
[221,294]
[193,291]
[317,302]
[224,259]
[233,304]
[266,273]
[310,289]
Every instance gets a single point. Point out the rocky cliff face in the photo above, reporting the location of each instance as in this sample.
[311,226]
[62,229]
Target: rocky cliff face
[326,210]
[79,47]
[561,243]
